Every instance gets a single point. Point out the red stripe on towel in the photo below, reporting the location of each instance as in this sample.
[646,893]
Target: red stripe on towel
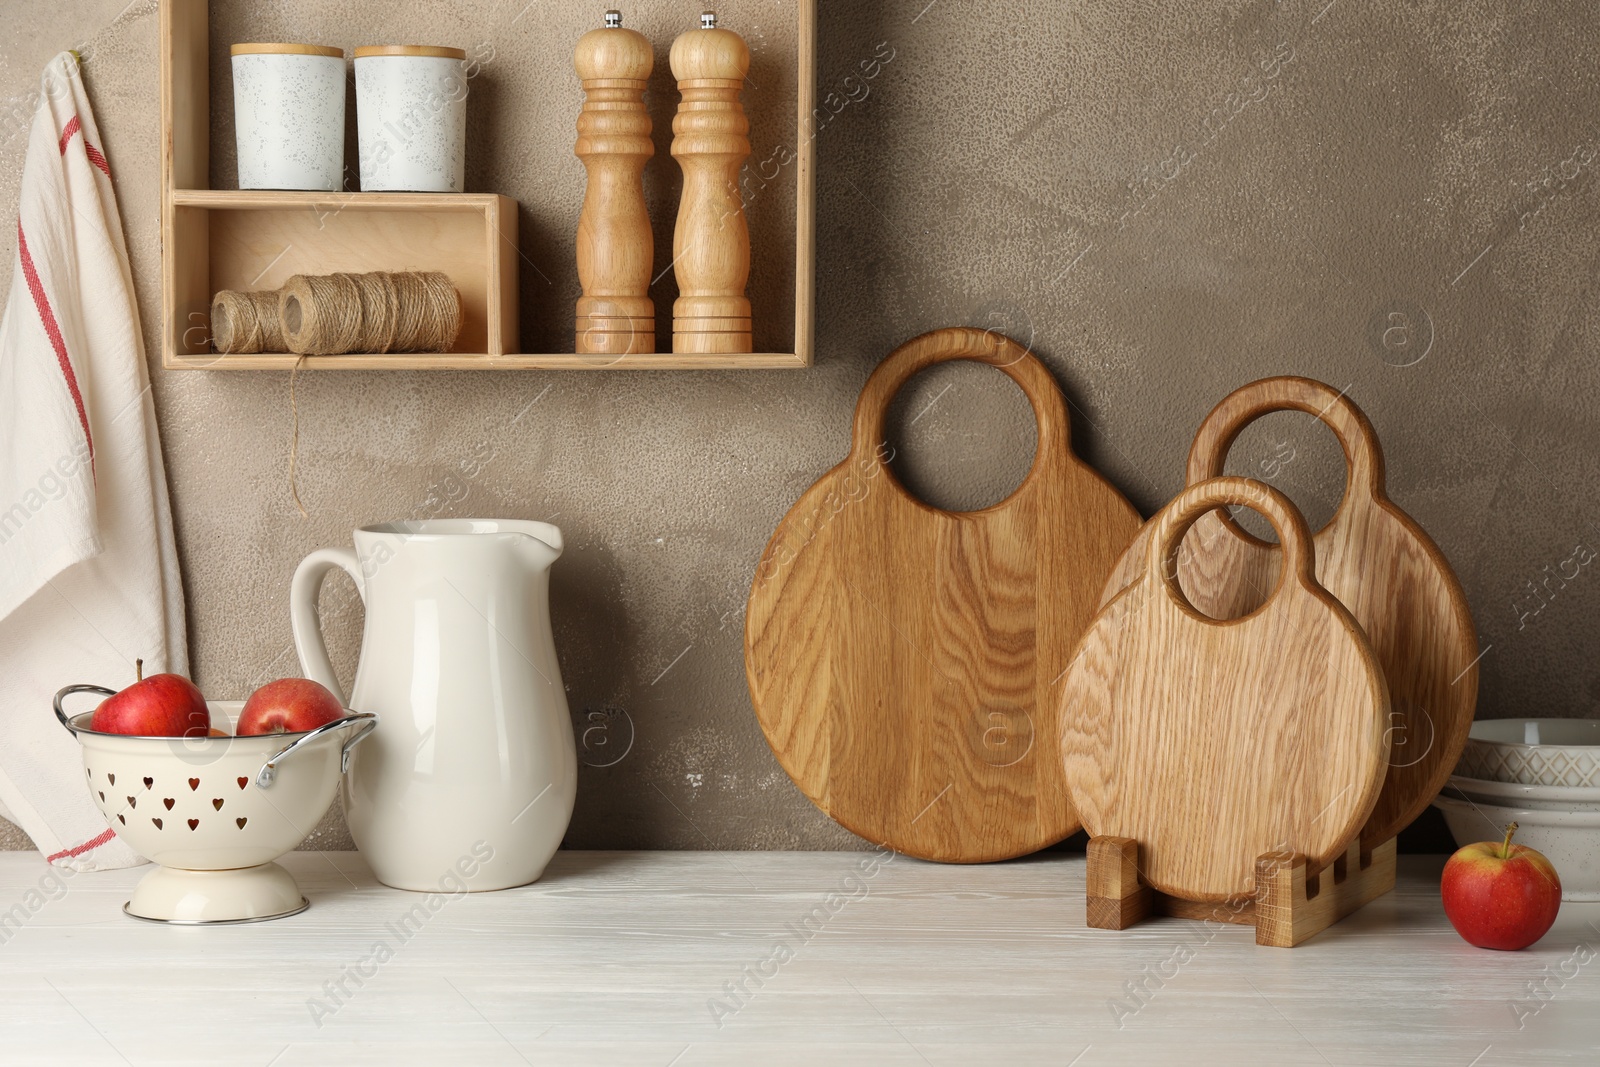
[51,327]
[92,843]
[96,158]
[72,127]
[94,154]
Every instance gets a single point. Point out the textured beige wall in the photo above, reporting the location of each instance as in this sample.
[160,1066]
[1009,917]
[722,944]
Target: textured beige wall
[1166,201]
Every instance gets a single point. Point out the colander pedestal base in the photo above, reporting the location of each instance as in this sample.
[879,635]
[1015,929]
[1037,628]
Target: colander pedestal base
[194,898]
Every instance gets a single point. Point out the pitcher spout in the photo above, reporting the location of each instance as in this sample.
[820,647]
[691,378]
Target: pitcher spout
[535,544]
[540,544]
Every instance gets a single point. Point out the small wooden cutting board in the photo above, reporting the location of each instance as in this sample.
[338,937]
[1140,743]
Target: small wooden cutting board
[1211,743]
[901,658]
[1376,560]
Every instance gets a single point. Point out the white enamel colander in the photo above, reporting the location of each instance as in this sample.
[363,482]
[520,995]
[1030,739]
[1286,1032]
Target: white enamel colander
[214,812]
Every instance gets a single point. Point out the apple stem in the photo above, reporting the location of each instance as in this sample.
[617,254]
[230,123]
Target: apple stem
[1505,846]
[138,670]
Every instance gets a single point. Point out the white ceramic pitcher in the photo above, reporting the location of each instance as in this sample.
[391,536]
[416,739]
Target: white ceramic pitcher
[475,769]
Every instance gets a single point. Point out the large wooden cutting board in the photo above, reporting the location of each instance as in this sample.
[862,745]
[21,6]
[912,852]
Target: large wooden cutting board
[901,658]
[1211,743]
[1376,560]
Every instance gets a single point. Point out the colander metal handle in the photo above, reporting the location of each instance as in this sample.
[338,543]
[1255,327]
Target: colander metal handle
[365,719]
[68,691]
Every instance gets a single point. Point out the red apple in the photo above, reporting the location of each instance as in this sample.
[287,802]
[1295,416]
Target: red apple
[162,705]
[1500,895]
[288,706]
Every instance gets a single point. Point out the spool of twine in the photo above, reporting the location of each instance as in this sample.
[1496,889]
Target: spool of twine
[321,314]
[246,322]
[410,311]
[380,310]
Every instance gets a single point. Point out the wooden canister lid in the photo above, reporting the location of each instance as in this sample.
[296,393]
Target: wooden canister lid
[436,51]
[286,50]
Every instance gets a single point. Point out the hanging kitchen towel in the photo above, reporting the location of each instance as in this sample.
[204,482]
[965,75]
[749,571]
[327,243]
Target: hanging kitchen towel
[88,567]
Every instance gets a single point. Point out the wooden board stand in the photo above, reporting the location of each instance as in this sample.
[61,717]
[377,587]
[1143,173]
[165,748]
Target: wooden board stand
[1291,903]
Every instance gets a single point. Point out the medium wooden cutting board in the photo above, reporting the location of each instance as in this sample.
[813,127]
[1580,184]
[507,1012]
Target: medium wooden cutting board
[1376,560]
[901,658]
[1211,743]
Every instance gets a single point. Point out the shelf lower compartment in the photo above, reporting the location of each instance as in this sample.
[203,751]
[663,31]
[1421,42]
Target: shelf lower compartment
[249,239]
[256,239]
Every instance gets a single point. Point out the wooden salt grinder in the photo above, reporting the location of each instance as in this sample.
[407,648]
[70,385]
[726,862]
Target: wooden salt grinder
[615,246]
[711,245]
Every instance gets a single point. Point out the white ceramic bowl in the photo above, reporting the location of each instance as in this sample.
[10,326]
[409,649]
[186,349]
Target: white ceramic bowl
[1534,751]
[1514,794]
[214,812]
[1570,840]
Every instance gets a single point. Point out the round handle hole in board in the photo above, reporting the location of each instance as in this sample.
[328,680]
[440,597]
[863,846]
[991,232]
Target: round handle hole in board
[963,435]
[1299,456]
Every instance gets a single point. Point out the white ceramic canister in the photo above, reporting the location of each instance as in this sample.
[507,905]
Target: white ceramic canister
[411,118]
[288,116]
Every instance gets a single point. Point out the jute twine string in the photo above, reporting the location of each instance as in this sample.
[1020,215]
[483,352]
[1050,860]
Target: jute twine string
[411,300]
[321,314]
[331,314]
[246,322]
[294,439]
[380,311]
[377,312]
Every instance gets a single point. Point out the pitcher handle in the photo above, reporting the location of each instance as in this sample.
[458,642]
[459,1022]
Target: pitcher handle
[303,620]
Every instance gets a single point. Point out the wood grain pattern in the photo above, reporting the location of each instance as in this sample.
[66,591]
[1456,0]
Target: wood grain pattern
[1293,902]
[615,245]
[1115,897]
[711,242]
[1376,560]
[1291,905]
[1211,742]
[185,161]
[900,658]
[805,180]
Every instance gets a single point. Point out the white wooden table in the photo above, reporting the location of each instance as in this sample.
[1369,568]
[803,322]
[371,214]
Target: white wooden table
[637,958]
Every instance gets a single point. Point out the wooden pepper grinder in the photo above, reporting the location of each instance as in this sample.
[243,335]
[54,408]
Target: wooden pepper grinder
[711,245]
[615,246]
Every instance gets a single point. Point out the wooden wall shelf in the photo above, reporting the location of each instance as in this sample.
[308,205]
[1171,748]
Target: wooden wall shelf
[246,239]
